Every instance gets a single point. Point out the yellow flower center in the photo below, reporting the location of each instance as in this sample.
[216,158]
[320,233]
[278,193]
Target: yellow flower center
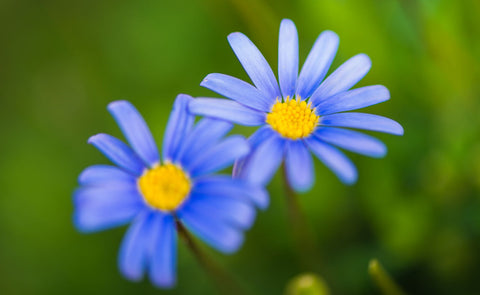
[293,118]
[164,187]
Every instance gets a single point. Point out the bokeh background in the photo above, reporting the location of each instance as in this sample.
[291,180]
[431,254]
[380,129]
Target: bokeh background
[417,210]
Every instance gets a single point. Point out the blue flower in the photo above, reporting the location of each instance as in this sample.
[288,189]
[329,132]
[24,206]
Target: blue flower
[301,113]
[154,194]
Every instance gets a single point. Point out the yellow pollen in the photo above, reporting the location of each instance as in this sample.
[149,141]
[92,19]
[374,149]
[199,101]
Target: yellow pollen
[293,118]
[164,187]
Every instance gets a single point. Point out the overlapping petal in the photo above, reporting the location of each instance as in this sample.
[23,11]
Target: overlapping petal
[205,134]
[219,157]
[135,130]
[317,63]
[220,235]
[223,186]
[118,152]
[230,111]
[255,65]
[178,126]
[353,99]
[343,78]
[265,161]
[238,90]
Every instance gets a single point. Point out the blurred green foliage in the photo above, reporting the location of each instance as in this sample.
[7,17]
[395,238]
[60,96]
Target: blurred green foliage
[418,210]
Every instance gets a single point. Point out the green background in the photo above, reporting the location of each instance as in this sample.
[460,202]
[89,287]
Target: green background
[417,210]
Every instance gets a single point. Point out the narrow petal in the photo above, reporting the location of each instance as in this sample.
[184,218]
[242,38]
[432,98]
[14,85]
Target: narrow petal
[238,90]
[227,110]
[118,152]
[99,208]
[235,211]
[254,64]
[164,252]
[317,63]
[101,174]
[220,156]
[287,57]
[299,165]
[353,141]
[353,99]
[135,130]
[221,236]
[206,133]
[264,161]
[222,186]
[362,121]
[133,255]
[263,133]
[178,126]
[333,159]
[344,78]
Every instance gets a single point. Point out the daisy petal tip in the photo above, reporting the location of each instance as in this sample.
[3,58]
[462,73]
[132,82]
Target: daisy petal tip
[164,283]
[118,103]
[364,59]
[235,35]
[287,22]
[95,138]
[332,36]
[182,96]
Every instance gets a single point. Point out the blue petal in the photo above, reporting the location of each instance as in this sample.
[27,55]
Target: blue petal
[317,63]
[226,187]
[220,235]
[287,57]
[164,252]
[238,90]
[333,159]
[344,78]
[99,208]
[299,165]
[135,130]
[254,64]
[362,121]
[264,161]
[206,133]
[100,174]
[353,99]
[118,152]
[220,156]
[352,141]
[263,133]
[227,110]
[133,255]
[233,211]
[178,126]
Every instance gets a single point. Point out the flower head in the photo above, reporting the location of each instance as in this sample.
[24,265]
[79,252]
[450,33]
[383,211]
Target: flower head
[154,194]
[302,112]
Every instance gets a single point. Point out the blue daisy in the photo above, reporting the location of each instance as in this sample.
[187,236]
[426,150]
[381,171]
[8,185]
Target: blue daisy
[153,195]
[302,113]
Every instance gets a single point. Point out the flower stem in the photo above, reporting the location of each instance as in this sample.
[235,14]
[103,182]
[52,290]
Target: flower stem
[383,279]
[302,234]
[223,281]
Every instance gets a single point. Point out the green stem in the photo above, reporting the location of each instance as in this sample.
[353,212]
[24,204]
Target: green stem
[224,282]
[382,279]
[302,234]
